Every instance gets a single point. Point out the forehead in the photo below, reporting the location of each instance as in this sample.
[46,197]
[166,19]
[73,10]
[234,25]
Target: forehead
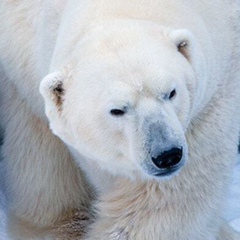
[123,38]
[125,80]
[140,57]
[134,53]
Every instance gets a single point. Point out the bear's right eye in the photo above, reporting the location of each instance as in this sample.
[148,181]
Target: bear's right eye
[117,112]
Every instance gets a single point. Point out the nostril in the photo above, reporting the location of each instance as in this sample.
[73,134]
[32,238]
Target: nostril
[168,158]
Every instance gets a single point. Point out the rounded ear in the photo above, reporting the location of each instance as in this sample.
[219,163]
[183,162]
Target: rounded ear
[52,90]
[184,41]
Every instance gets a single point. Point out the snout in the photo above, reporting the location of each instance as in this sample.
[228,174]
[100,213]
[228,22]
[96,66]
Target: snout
[168,162]
[165,150]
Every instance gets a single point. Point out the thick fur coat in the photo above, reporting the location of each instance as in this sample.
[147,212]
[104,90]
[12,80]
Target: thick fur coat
[123,83]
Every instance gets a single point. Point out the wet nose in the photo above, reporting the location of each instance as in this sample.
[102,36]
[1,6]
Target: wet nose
[168,158]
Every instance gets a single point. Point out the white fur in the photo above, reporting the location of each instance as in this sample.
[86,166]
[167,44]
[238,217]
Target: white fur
[104,55]
[43,185]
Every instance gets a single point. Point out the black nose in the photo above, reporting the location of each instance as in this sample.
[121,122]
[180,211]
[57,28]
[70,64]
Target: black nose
[168,158]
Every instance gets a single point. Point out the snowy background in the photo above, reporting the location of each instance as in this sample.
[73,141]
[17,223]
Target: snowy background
[232,213]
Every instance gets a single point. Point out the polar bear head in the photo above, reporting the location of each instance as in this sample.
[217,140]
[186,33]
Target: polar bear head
[124,97]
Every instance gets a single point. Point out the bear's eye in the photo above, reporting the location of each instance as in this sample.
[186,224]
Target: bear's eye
[117,112]
[172,94]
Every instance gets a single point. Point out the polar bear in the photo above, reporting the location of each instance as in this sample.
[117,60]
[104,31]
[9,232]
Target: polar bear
[147,92]
[145,96]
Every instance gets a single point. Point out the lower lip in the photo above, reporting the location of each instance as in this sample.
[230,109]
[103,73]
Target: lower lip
[168,172]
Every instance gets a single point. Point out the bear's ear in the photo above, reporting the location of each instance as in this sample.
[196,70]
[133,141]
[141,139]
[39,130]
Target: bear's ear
[52,90]
[184,42]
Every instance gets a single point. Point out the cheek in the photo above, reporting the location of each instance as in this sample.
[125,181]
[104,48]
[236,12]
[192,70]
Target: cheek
[94,136]
[110,148]
[89,133]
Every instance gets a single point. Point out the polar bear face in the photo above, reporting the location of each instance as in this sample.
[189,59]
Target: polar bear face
[124,99]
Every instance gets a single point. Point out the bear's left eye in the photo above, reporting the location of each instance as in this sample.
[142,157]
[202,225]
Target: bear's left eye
[172,94]
[117,112]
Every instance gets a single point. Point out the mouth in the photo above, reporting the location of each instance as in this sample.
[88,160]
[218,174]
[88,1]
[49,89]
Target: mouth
[167,171]
[164,172]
